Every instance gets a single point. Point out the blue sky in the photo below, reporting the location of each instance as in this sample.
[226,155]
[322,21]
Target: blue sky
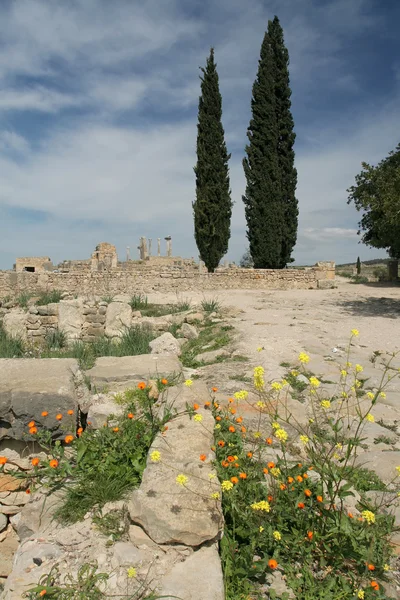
[98,112]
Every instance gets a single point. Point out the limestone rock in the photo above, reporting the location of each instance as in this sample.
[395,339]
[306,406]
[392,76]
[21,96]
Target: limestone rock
[194,318]
[14,323]
[189,331]
[8,483]
[99,413]
[118,319]
[126,371]
[7,550]
[199,577]
[212,355]
[38,514]
[165,344]
[382,463]
[70,318]
[3,522]
[28,387]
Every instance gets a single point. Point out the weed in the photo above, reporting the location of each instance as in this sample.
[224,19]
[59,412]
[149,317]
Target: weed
[241,378]
[210,338]
[23,299]
[240,358]
[10,347]
[384,439]
[55,339]
[54,296]
[284,364]
[112,524]
[107,298]
[211,305]
[387,426]
[363,479]
[359,279]
[138,302]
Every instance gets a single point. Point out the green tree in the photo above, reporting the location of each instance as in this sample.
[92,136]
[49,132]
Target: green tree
[358,266]
[271,206]
[377,195]
[286,138]
[262,199]
[213,206]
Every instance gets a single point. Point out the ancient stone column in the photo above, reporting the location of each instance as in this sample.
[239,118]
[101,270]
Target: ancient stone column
[201,266]
[128,254]
[150,240]
[158,246]
[169,245]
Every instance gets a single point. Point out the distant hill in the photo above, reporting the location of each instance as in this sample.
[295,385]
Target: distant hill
[374,261]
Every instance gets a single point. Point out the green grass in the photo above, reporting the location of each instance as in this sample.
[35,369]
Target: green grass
[10,347]
[52,297]
[140,302]
[359,279]
[111,524]
[241,378]
[363,480]
[55,339]
[23,299]
[210,338]
[211,305]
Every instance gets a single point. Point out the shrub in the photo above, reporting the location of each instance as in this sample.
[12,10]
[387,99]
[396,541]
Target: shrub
[359,279]
[211,305]
[55,339]
[381,273]
[52,297]
[23,299]
[138,302]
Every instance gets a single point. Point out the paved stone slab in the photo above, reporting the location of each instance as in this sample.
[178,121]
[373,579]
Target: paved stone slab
[130,369]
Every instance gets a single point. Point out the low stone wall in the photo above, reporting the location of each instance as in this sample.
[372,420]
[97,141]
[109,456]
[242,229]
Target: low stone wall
[167,278]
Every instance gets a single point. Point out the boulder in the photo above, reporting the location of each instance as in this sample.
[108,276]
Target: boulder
[199,577]
[28,387]
[14,323]
[212,355]
[3,521]
[382,463]
[165,344]
[8,547]
[99,413]
[118,319]
[194,318]
[189,332]
[127,371]
[70,318]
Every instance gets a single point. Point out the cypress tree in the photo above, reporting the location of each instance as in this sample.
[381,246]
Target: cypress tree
[286,138]
[213,206]
[262,199]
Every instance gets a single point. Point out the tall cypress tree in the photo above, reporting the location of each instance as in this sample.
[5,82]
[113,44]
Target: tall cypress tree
[262,199]
[286,138]
[213,206]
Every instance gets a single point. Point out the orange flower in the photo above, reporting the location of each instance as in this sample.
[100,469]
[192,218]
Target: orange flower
[28,491]
[203,457]
[233,411]
[272,563]
[308,493]
[165,428]
[70,412]
[234,480]
[68,438]
[53,463]
[216,405]
[221,443]
[59,417]
[218,418]
[3,460]
[115,429]
[242,475]
[231,400]
[299,478]
[225,463]
[196,406]
[79,431]
[350,515]
[164,381]
[35,461]
[282,486]
[301,505]
[310,468]
[232,429]
[320,499]
[33,430]
[250,455]
[310,535]
[207,403]
[371,567]
[270,498]
[375,585]
[214,389]
[141,385]
[299,465]
[271,465]
[243,429]
[89,422]
[45,413]
[130,415]
[290,479]
[236,465]
[265,470]
[305,476]
[213,448]
[239,419]
[231,459]
[43,593]
[31,424]
[269,441]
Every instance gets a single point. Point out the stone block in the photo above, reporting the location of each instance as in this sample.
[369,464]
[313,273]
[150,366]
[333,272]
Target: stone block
[71,318]
[128,370]
[95,331]
[14,323]
[118,319]
[165,344]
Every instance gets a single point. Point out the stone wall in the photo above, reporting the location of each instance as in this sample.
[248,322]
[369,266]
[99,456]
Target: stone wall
[35,264]
[178,277]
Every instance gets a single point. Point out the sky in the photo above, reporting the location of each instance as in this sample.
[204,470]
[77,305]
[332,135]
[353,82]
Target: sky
[98,116]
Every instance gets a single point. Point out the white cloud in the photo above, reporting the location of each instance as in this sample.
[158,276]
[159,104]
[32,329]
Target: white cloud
[326,233]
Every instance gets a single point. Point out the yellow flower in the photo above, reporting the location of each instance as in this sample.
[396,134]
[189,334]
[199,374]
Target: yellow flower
[263,505]
[276,425]
[355,332]
[294,373]
[281,434]
[336,456]
[215,496]
[382,395]
[314,382]
[370,418]
[284,382]
[276,385]
[211,476]
[275,471]
[198,418]
[368,516]
[360,594]
[386,567]
[304,439]
[155,456]
[398,469]
[311,420]
[325,404]
[359,369]
[258,371]
[261,404]
[257,434]
[348,365]
[344,395]
[340,446]
[181,479]
[131,572]
[358,383]
[343,373]
[242,395]
[277,536]
[188,382]
[304,358]
[218,426]
[260,349]
[370,395]
[261,529]
[226,485]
